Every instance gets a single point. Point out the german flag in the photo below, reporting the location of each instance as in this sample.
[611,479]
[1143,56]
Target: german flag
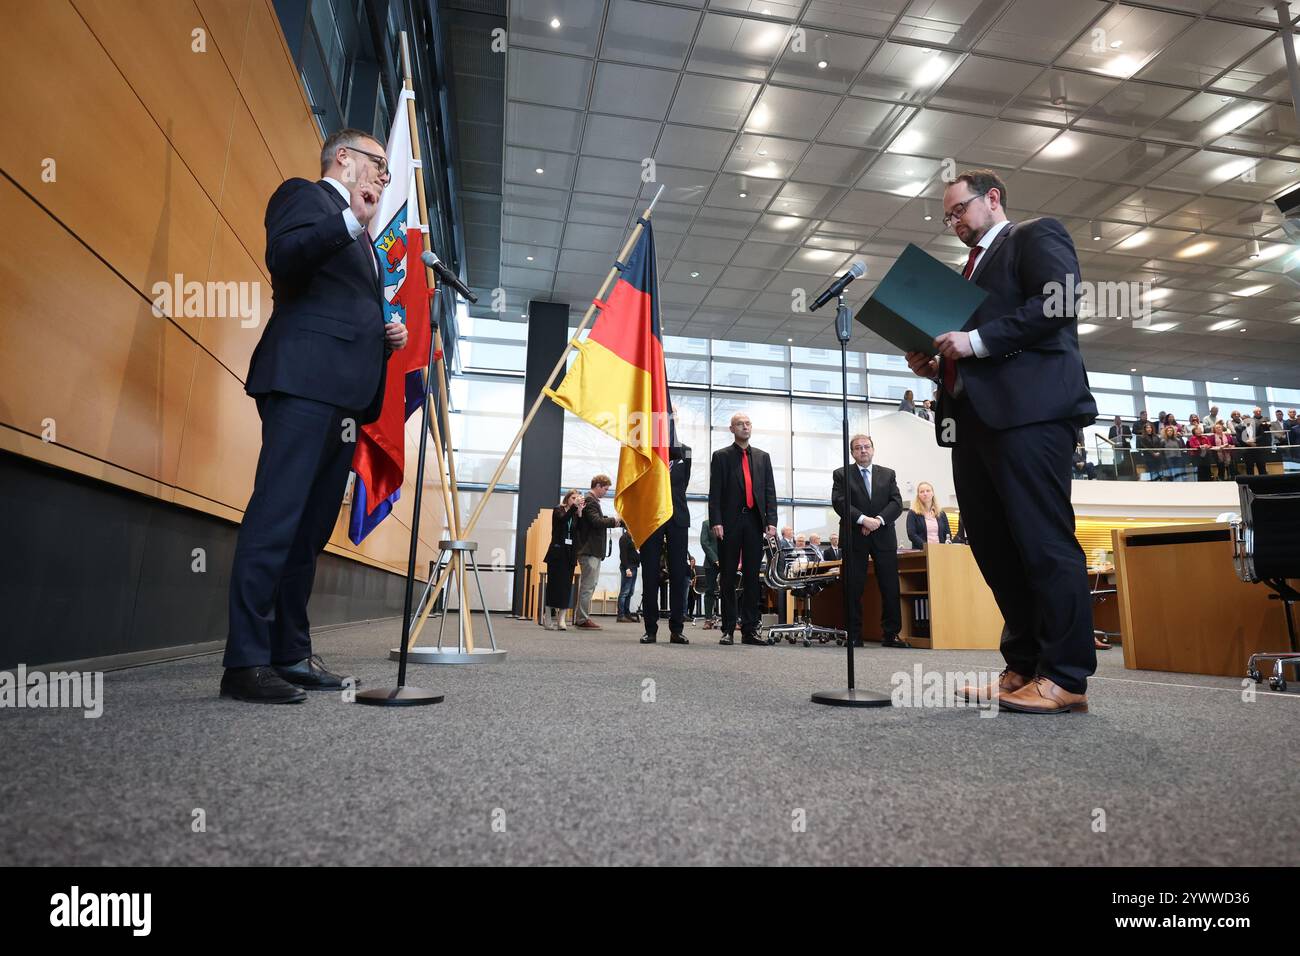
[619,383]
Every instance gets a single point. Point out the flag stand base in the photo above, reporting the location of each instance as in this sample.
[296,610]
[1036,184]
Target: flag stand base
[404,696]
[457,554]
[851,697]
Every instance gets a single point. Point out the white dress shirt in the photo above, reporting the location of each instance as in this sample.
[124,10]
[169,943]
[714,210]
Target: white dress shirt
[986,240]
[349,217]
[865,472]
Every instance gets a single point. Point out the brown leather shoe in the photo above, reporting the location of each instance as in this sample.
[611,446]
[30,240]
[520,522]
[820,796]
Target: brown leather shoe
[1008,683]
[589,625]
[1041,696]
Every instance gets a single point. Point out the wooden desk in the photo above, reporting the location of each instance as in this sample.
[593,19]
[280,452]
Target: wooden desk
[1182,606]
[962,612]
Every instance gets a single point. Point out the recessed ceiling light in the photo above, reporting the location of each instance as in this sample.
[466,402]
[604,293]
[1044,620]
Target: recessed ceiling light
[789,340]
[1235,377]
[539,170]
[555,23]
[529,258]
[762,152]
[1132,370]
[821,64]
[928,217]
[743,195]
[695,275]
[1116,44]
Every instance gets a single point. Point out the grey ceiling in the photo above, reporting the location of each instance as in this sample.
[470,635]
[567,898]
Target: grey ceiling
[1147,138]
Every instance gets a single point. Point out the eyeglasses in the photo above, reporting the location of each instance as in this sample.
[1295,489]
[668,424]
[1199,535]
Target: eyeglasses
[381,164]
[959,210]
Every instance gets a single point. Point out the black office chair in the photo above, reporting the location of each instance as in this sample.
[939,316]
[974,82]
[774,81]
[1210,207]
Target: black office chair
[801,579]
[1266,549]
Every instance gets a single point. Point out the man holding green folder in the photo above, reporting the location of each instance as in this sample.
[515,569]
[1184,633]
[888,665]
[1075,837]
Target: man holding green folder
[1012,393]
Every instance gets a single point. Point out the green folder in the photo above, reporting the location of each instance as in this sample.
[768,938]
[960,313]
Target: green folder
[919,299]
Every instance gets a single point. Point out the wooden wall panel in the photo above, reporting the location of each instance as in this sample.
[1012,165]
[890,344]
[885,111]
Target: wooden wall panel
[251,178]
[225,336]
[190,95]
[222,437]
[227,23]
[166,159]
[279,108]
[119,186]
[88,353]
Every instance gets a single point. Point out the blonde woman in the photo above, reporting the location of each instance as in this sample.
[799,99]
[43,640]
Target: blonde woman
[925,522]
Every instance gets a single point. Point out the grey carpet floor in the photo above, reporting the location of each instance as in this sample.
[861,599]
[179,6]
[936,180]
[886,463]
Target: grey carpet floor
[556,757]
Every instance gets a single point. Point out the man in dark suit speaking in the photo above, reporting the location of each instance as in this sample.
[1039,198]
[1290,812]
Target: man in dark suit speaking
[1013,393]
[317,375]
[867,516]
[671,535]
[742,510]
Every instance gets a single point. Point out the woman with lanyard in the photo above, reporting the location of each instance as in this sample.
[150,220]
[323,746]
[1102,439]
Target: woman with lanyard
[561,559]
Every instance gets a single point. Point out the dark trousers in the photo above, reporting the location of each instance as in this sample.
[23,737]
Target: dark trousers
[710,588]
[626,585]
[743,544]
[298,488]
[891,617]
[673,537]
[1013,487]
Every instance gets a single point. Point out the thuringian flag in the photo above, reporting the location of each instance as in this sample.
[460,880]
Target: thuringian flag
[398,236]
[619,383]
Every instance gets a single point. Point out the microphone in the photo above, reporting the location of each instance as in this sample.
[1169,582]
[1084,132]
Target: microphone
[856,271]
[447,276]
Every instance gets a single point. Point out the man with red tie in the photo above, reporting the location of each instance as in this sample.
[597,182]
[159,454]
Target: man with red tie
[742,510]
[1013,394]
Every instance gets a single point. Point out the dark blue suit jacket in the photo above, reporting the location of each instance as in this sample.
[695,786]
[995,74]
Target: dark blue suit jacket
[325,338]
[1034,371]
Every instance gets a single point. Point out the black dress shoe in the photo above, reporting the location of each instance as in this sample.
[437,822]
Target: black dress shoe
[753,640]
[310,674]
[649,639]
[678,639]
[727,639]
[891,640]
[259,685]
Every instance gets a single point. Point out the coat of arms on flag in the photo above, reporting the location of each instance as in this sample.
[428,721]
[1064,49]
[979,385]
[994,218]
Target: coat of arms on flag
[398,235]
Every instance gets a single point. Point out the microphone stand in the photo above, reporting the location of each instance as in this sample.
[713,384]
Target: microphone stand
[402,695]
[852,696]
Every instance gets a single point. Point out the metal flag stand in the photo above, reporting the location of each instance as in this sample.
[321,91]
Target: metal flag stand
[851,696]
[436,588]
[402,695]
[456,554]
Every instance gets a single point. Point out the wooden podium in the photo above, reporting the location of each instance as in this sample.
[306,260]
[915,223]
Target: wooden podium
[1182,606]
[945,603]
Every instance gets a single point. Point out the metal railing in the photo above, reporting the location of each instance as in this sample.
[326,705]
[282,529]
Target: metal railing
[1116,461]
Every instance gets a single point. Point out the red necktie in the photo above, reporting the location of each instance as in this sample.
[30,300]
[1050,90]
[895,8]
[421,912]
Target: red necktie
[749,481]
[950,367]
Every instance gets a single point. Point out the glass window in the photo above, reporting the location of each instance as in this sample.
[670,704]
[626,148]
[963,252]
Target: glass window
[894,363]
[1181,407]
[1170,386]
[1234,392]
[486,414]
[1107,380]
[751,374]
[1112,403]
[693,429]
[1284,396]
[771,419]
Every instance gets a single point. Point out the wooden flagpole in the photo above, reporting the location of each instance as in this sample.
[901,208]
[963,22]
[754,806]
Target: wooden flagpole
[537,403]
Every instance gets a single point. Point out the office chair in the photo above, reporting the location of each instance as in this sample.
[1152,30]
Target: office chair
[801,579]
[1266,549]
